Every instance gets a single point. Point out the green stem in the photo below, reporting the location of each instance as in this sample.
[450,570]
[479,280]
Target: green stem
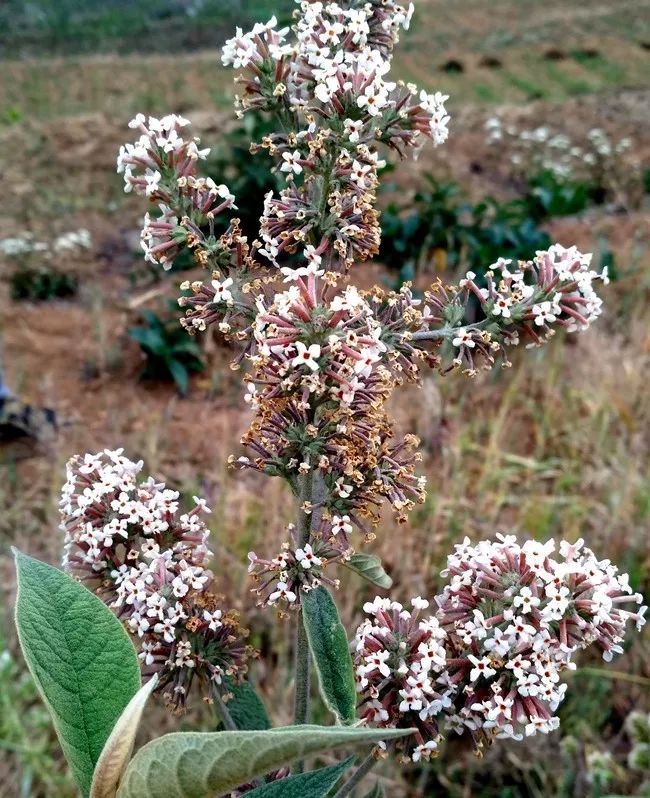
[444,332]
[301,651]
[357,777]
[222,710]
[618,676]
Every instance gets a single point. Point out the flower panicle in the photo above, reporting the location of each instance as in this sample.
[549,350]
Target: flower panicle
[509,623]
[128,542]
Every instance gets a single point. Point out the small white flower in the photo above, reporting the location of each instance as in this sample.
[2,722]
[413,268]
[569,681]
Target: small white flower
[291,162]
[221,292]
[341,524]
[282,592]
[213,619]
[307,558]
[306,356]
[463,338]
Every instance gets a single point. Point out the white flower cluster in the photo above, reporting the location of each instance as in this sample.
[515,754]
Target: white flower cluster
[128,542]
[244,48]
[400,663]
[515,616]
[25,244]
[509,623]
[128,537]
[531,299]
[306,343]
[547,149]
[341,57]
[294,571]
[160,146]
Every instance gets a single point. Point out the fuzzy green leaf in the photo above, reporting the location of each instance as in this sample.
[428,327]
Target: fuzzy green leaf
[202,765]
[329,647]
[246,707]
[315,784]
[81,658]
[376,792]
[369,567]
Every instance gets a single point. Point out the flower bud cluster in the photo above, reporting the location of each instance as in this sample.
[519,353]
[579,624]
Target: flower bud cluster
[511,618]
[294,571]
[129,543]
[323,373]
[162,165]
[527,302]
[329,87]
[400,663]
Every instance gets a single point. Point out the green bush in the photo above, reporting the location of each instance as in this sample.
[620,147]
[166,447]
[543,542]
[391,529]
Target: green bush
[41,283]
[170,354]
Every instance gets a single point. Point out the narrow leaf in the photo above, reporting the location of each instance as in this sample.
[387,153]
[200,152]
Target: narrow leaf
[81,659]
[329,647]
[119,746]
[246,707]
[315,784]
[376,792]
[202,765]
[369,567]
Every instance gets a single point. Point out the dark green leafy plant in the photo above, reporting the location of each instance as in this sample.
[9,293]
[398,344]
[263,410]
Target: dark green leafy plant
[469,236]
[41,283]
[168,351]
[248,177]
[548,196]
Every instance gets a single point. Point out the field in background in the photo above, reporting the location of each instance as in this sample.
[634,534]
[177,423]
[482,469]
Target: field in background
[557,445]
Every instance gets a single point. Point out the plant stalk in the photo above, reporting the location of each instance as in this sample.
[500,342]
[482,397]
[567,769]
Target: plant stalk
[301,651]
[357,777]
[222,710]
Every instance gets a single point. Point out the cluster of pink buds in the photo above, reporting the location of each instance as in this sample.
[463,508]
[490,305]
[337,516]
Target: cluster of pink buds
[329,86]
[322,376]
[511,619]
[400,663]
[295,570]
[515,616]
[128,542]
[162,165]
[526,302]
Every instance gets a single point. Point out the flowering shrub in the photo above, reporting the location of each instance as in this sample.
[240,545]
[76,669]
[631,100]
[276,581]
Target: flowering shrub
[602,166]
[321,358]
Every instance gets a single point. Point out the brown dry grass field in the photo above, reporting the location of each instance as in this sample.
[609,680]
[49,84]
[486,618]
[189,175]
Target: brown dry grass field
[558,445]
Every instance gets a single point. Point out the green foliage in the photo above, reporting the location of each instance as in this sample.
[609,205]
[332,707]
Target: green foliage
[329,647]
[27,737]
[470,236]
[548,196]
[119,746]
[201,765]
[369,567]
[246,707]
[41,283]
[81,658]
[170,353]
[85,26]
[316,784]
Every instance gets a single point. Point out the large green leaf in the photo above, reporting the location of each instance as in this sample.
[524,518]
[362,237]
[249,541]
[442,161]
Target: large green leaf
[315,784]
[81,659]
[370,567]
[329,647]
[202,765]
[246,707]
